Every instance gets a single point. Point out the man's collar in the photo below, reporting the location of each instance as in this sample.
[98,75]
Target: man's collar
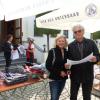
[81,41]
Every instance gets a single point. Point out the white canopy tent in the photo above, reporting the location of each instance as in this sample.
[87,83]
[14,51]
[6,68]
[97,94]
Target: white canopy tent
[1,12]
[82,12]
[14,9]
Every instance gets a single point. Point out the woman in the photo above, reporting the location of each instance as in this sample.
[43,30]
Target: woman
[30,51]
[55,62]
[8,48]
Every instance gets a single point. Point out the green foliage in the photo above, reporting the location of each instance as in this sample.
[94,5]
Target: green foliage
[96,35]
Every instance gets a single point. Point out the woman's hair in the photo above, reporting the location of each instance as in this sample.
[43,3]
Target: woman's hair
[9,36]
[31,40]
[58,37]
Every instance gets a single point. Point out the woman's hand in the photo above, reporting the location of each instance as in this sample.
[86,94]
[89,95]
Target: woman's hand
[31,51]
[63,74]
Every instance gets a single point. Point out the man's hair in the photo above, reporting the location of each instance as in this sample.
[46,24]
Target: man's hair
[78,26]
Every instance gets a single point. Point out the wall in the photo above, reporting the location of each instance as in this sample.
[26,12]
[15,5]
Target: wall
[40,41]
[28,27]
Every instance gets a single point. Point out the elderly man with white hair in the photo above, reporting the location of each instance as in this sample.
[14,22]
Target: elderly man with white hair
[82,74]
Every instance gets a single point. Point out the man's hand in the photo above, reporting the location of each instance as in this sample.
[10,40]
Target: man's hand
[67,66]
[93,59]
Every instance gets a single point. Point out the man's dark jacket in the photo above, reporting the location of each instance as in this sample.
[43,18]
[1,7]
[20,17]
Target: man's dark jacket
[82,72]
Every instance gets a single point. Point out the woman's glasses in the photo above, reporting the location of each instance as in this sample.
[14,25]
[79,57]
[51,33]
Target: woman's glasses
[79,31]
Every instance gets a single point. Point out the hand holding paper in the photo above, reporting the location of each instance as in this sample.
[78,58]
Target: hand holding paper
[86,59]
[93,59]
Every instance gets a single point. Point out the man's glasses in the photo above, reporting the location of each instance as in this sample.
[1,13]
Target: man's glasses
[79,31]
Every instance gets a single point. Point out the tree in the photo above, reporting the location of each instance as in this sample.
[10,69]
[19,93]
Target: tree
[95,35]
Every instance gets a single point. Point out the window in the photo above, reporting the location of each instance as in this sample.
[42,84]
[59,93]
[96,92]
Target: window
[65,32]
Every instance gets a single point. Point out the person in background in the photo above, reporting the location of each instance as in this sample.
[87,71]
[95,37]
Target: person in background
[82,74]
[8,48]
[55,61]
[30,51]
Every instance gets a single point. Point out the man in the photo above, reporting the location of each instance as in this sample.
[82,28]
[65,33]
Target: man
[82,74]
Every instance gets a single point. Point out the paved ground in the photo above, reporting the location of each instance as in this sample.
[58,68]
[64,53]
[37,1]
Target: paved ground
[65,95]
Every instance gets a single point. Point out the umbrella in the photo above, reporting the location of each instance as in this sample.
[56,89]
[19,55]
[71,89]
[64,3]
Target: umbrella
[1,12]
[82,12]
[15,9]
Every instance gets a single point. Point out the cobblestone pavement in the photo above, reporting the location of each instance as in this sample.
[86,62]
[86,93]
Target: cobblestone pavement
[65,94]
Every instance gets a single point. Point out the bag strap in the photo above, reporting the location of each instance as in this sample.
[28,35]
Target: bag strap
[54,57]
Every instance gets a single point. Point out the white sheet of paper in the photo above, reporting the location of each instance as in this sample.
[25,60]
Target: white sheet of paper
[14,55]
[21,49]
[86,59]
